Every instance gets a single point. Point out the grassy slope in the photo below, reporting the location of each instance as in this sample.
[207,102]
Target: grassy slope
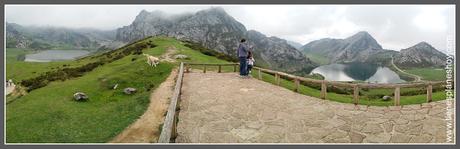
[317,58]
[20,70]
[108,112]
[435,74]
[48,114]
[366,98]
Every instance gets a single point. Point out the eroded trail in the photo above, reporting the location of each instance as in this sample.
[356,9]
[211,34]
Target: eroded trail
[146,129]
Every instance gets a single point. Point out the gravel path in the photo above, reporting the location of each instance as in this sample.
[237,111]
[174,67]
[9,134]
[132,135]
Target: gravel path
[223,108]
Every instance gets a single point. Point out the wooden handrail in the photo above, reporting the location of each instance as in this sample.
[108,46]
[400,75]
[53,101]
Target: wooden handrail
[169,125]
[345,84]
[356,86]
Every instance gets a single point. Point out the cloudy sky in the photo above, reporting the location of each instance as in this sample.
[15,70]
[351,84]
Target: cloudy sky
[393,26]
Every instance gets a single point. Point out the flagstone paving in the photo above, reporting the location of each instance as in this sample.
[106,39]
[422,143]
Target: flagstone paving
[223,108]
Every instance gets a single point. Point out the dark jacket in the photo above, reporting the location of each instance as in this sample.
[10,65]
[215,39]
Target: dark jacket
[242,50]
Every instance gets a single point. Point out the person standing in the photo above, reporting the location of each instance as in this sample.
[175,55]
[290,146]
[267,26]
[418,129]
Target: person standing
[250,62]
[242,53]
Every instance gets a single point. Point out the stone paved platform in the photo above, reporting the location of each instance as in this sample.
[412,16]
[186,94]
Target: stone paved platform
[223,108]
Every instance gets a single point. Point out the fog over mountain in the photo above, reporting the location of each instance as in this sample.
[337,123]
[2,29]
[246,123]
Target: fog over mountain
[394,26]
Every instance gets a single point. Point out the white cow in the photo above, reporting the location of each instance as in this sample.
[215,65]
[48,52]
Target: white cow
[152,60]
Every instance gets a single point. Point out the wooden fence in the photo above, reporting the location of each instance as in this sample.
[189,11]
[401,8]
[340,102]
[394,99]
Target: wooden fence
[356,86]
[168,133]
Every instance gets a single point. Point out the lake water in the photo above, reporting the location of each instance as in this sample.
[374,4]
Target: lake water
[55,55]
[358,72]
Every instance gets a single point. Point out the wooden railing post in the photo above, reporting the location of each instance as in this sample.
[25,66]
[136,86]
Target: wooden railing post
[219,68]
[355,94]
[278,79]
[323,89]
[260,75]
[296,82]
[204,68]
[234,68]
[429,93]
[397,95]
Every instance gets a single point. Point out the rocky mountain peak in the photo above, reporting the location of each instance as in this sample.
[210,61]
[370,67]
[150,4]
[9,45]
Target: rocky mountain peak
[420,55]
[214,29]
[363,40]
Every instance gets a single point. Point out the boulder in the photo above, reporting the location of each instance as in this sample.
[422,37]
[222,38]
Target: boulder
[79,96]
[180,56]
[129,90]
[386,98]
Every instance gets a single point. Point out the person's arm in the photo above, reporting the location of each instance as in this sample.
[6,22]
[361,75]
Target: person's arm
[238,50]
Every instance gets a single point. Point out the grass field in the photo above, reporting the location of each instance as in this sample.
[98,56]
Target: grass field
[317,58]
[367,97]
[433,74]
[49,114]
[31,120]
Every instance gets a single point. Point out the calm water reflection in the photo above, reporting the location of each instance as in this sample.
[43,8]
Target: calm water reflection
[358,71]
[55,55]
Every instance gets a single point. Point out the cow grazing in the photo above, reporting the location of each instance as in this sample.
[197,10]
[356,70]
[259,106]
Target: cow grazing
[152,60]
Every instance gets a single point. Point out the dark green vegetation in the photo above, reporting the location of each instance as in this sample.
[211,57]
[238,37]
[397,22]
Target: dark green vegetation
[367,96]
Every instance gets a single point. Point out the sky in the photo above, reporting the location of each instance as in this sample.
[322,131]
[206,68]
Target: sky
[395,27]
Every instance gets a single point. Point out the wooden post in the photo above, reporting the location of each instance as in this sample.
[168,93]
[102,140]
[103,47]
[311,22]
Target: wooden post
[260,75]
[234,68]
[323,89]
[204,68]
[174,130]
[429,93]
[296,82]
[278,81]
[397,96]
[355,94]
[219,68]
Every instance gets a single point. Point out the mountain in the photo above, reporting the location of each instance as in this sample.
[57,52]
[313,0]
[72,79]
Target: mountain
[420,55]
[358,47]
[294,44]
[214,29]
[56,37]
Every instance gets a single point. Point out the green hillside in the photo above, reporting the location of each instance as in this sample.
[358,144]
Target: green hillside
[48,113]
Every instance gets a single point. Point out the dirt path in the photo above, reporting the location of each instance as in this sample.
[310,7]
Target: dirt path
[168,55]
[417,78]
[146,128]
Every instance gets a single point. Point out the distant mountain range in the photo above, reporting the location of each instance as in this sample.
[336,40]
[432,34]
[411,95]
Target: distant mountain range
[362,47]
[41,38]
[213,28]
[295,44]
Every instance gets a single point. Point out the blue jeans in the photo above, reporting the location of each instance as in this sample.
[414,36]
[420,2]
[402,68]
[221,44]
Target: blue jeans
[243,66]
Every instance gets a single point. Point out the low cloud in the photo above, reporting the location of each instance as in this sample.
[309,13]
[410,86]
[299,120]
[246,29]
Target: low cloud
[394,26]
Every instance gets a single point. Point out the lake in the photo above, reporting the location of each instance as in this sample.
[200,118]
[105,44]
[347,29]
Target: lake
[55,55]
[358,72]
